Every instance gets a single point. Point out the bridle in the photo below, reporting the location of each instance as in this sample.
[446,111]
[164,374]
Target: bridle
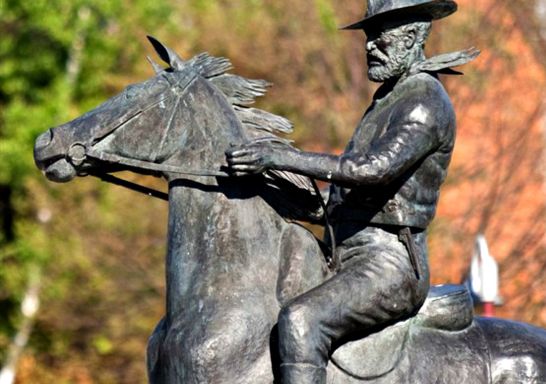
[114,159]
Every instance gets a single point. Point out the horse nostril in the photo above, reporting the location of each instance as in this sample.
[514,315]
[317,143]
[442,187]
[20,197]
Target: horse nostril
[44,139]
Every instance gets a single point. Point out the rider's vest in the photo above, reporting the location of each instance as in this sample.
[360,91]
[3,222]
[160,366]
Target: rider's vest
[400,152]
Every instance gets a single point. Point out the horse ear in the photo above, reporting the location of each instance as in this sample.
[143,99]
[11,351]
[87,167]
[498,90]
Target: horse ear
[157,68]
[167,55]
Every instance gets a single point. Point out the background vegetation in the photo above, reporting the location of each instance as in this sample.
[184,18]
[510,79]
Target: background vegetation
[93,254]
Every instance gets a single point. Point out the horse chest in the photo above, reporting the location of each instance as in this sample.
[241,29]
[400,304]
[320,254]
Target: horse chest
[215,242]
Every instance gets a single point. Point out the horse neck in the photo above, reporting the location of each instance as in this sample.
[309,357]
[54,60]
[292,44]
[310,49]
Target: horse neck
[207,126]
[212,241]
[192,206]
[207,214]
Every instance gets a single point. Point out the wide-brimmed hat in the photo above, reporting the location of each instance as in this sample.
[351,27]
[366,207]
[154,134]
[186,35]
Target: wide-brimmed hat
[380,11]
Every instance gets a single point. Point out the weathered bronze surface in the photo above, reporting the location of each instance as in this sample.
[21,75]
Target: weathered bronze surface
[250,296]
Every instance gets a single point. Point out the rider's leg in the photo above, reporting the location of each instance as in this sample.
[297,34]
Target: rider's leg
[376,285]
[302,374]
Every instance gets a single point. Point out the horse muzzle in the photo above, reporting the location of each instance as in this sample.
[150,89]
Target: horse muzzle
[60,172]
[51,158]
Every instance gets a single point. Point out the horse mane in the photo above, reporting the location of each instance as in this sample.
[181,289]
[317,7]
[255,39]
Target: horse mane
[259,125]
[290,189]
[241,92]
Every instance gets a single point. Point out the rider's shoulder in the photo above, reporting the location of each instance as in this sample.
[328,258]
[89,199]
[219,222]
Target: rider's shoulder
[424,93]
[424,84]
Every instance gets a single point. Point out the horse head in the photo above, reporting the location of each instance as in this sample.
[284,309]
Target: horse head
[183,119]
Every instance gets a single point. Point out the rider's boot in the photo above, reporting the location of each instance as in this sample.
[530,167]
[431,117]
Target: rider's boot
[302,374]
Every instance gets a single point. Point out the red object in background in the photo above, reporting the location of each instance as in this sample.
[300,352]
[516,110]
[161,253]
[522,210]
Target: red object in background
[489,309]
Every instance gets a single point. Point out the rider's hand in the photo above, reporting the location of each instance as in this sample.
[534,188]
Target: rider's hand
[253,158]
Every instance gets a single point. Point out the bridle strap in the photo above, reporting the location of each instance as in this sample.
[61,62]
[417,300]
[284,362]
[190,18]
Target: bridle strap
[85,152]
[333,261]
[149,166]
[107,178]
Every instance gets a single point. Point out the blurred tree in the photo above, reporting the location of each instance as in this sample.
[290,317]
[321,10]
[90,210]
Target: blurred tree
[57,58]
[100,249]
[496,183]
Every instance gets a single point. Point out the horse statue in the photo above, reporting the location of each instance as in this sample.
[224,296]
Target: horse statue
[236,255]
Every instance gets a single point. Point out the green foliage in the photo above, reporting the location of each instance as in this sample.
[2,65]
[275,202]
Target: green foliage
[327,16]
[57,59]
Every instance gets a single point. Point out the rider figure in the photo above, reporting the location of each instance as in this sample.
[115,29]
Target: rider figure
[384,192]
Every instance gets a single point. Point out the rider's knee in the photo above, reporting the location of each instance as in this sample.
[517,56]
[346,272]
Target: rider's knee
[301,337]
[297,319]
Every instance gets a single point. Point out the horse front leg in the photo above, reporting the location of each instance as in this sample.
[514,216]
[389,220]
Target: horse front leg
[153,363]
[227,346]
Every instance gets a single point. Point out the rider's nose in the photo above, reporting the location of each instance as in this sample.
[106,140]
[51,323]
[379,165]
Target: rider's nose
[370,46]
[44,139]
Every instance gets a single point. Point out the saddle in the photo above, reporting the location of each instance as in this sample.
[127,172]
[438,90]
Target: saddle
[447,308]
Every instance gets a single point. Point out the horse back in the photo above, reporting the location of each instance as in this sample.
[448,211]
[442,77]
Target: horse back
[517,350]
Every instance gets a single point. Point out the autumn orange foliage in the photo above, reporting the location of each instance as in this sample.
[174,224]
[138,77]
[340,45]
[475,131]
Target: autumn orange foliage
[496,185]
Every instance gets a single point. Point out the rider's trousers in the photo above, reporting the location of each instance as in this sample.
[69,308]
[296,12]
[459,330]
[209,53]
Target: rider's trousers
[376,286]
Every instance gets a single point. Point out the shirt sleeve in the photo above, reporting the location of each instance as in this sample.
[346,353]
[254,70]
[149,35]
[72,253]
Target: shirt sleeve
[412,134]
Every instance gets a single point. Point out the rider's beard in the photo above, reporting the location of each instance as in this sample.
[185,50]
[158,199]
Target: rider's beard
[388,65]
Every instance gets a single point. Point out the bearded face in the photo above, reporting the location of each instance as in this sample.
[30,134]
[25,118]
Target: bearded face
[389,53]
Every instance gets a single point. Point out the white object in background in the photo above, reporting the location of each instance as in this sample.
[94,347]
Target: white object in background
[484,276]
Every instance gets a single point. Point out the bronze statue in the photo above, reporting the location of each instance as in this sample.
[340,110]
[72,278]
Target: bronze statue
[384,193]
[235,258]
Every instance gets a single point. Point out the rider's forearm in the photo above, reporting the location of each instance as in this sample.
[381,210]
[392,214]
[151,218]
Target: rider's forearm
[342,170]
[316,165]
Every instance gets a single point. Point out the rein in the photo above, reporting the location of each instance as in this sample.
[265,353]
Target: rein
[333,261]
[107,178]
[149,166]
[139,164]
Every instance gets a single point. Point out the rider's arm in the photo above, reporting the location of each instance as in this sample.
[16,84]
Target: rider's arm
[417,125]
[411,136]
